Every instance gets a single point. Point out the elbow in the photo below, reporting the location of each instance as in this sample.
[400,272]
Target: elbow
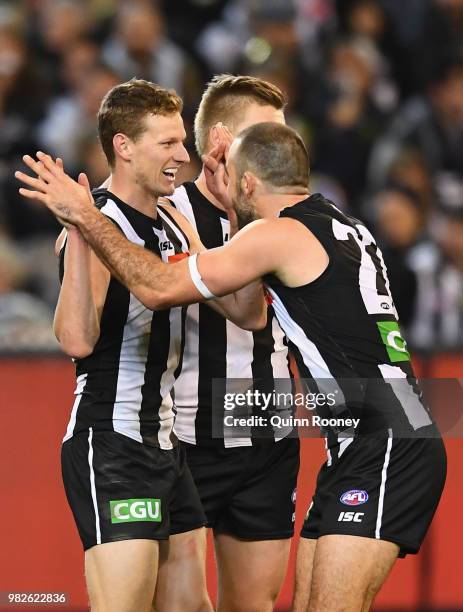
[153,301]
[156,300]
[77,348]
[256,323]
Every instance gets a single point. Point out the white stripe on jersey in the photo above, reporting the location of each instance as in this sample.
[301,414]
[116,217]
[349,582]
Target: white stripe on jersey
[225,223]
[166,413]
[310,354]
[177,232]
[110,209]
[187,401]
[279,365]
[343,444]
[182,204]
[185,418]
[243,343]
[132,369]
[93,487]
[283,384]
[413,408]
[81,381]
[382,488]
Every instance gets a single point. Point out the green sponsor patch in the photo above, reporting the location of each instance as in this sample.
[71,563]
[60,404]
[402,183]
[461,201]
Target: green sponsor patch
[135,510]
[395,345]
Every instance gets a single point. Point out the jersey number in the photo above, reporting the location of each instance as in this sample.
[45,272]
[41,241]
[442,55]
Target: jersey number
[371,266]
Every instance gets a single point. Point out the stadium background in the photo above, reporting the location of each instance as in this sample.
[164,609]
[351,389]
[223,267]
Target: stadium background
[376,89]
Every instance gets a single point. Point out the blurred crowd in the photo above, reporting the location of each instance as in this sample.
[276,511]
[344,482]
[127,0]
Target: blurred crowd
[375,87]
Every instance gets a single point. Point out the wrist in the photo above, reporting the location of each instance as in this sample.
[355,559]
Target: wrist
[88,217]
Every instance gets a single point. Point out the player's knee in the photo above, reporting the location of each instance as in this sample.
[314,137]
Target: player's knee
[247,606]
[243,600]
[189,547]
[193,603]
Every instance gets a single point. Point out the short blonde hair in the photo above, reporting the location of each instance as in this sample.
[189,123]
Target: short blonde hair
[224,100]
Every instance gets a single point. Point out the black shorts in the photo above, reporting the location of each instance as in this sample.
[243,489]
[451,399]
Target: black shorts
[249,491]
[381,488]
[120,489]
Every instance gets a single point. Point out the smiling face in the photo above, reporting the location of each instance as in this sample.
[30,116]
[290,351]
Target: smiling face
[157,154]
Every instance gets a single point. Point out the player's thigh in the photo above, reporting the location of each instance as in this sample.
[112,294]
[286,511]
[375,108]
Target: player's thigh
[348,571]
[182,574]
[181,584]
[251,572]
[121,576]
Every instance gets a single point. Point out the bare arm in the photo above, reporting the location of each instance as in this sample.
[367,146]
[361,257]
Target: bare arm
[81,299]
[262,247]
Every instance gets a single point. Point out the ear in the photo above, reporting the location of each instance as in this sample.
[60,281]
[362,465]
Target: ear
[122,146]
[249,183]
[214,135]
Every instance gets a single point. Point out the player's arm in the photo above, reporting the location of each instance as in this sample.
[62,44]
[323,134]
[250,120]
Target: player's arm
[246,307]
[81,299]
[253,252]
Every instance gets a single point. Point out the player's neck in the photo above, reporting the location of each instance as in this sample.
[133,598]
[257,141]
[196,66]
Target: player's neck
[133,195]
[200,183]
[270,204]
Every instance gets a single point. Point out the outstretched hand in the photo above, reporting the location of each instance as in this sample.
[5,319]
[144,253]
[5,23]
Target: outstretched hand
[67,199]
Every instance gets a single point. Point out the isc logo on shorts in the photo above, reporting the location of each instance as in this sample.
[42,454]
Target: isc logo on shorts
[348,517]
[133,510]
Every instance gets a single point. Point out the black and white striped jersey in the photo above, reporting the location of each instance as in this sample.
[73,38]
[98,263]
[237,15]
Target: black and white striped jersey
[125,384]
[215,348]
[344,327]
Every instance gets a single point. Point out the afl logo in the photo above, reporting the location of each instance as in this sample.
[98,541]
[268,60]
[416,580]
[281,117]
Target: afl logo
[355,497]
[385,305]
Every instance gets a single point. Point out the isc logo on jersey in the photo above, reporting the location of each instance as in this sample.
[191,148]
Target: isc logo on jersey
[135,510]
[354,497]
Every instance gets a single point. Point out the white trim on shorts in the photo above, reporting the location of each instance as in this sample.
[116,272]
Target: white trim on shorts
[382,488]
[92,486]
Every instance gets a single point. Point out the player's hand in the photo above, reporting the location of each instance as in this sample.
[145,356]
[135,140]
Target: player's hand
[217,180]
[67,226]
[67,199]
[221,135]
